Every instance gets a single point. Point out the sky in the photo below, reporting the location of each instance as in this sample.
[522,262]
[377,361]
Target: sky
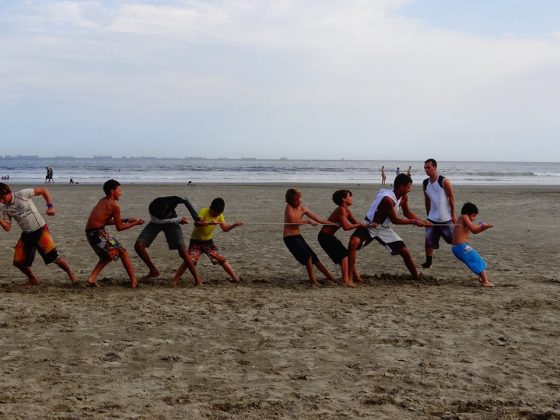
[353,79]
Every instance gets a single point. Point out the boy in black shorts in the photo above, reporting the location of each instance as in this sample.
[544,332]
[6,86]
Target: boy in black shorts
[293,219]
[164,218]
[340,217]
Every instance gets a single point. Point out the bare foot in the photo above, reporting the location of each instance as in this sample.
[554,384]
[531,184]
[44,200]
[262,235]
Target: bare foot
[134,284]
[487,284]
[30,283]
[198,284]
[314,284]
[349,284]
[150,275]
[176,282]
[73,277]
[358,279]
[92,283]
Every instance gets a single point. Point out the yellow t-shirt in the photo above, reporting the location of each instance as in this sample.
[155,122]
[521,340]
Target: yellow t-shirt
[204,233]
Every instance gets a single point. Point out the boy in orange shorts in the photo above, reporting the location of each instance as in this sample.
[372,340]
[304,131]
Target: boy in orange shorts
[35,234]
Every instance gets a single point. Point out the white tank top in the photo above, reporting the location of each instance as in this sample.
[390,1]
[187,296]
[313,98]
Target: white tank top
[380,196]
[440,211]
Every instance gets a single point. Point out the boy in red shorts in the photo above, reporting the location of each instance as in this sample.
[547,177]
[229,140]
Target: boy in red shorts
[35,234]
[202,243]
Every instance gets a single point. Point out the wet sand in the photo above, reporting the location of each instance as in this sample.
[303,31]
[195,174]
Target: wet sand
[274,348]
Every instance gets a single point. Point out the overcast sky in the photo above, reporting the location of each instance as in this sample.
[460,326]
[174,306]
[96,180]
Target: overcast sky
[354,79]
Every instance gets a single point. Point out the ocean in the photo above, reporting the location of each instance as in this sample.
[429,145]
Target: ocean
[96,170]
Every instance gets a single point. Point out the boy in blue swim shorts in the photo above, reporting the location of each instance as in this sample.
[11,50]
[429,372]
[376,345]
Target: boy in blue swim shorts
[461,248]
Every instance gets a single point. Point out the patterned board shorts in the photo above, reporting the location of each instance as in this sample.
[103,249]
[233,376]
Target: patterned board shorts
[197,248]
[30,242]
[106,246]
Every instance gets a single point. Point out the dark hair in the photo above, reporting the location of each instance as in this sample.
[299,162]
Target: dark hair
[402,179]
[218,205]
[291,195]
[4,189]
[432,161]
[469,208]
[340,195]
[109,186]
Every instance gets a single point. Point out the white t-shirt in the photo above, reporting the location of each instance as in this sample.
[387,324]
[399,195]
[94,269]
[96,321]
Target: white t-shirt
[23,211]
[440,211]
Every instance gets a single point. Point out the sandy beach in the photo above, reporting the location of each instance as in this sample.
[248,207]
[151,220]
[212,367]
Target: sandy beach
[273,347]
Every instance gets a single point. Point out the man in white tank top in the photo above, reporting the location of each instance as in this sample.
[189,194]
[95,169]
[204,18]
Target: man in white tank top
[381,215]
[440,208]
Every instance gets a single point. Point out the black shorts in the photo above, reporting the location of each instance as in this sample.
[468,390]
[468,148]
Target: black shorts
[299,249]
[383,234]
[172,231]
[333,247]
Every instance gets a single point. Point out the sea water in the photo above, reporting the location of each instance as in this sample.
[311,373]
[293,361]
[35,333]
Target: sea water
[32,170]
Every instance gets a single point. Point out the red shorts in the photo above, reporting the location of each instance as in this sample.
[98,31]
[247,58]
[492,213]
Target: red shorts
[30,242]
[197,248]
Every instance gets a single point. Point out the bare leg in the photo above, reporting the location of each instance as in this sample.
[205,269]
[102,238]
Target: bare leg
[352,250]
[311,273]
[325,271]
[229,269]
[409,262]
[140,248]
[429,256]
[92,279]
[345,276]
[484,280]
[187,263]
[32,278]
[62,263]
[127,264]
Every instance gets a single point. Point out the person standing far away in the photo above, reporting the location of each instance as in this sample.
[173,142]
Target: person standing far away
[409,171]
[440,208]
[397,171]
[383,176]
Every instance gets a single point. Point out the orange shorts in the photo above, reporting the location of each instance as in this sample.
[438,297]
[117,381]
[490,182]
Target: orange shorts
[30,242]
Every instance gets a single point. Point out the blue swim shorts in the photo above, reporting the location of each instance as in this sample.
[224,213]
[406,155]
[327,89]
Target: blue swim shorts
[470,257]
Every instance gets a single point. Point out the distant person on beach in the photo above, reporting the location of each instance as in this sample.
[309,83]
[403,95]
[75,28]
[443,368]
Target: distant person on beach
[340,217]
[397,171]
[440,208]
[35,234]
[383,211]
[108,212]
[461,248]
[383,176]
[191,184]
[49,176]
[202,240]
[164,219]
[409,171]
[293,219]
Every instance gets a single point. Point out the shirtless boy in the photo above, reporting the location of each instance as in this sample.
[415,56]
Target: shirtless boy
[35,235]
[164,218]
[383,211]
[461,248]
[293,219]
[107,247]
[343,218]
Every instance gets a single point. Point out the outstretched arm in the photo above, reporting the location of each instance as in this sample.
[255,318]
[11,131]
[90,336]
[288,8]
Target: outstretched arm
[315,218]
[124,224]
[226,227]
[409,219]
[191,209]
[475,227]
[348,221]
[48,199]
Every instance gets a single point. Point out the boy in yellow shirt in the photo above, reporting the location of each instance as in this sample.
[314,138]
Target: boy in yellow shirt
[201,239]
